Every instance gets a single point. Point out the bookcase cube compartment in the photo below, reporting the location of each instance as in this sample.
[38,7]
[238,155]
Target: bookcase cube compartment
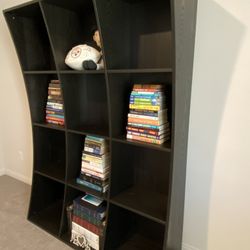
[46,203]
[136,232]
[30,37]
[49,152]
[86,106]
[37,91]
[71,194]
[74,153]
[69,25]
[139,180]
[142,33]
[120,87]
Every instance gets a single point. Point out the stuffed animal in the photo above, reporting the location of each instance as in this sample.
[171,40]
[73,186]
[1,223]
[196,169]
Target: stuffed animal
[86,57]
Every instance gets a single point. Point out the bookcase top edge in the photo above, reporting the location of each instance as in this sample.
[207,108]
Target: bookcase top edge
[16,7]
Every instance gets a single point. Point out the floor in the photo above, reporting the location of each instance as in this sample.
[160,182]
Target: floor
[15,231]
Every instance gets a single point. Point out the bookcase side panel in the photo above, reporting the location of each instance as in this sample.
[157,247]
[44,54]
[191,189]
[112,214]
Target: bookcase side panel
[183,21]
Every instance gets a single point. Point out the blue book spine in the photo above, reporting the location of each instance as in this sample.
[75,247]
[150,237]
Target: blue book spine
[143,125]
[57,116]
[88,184]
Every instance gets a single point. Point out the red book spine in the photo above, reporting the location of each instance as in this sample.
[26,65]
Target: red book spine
[93,228]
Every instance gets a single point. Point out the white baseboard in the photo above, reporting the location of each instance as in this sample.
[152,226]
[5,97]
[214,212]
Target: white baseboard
[186,246]
[17,176]
[2,171]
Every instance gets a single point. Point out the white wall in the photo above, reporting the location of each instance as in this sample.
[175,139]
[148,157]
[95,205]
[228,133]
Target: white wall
[15,135]
[217,205]
[218,188]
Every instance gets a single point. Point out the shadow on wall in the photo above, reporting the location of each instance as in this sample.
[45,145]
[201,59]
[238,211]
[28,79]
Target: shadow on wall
[218,40]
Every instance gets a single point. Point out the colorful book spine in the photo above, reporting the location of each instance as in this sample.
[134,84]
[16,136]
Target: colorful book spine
[146,121]
[92,186]
[146,126]
[143,139]
[148,136]
[149,107]
[91,227]
[89,212]
[93,180]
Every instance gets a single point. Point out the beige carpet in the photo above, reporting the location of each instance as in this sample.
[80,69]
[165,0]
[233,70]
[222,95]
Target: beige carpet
[15,231]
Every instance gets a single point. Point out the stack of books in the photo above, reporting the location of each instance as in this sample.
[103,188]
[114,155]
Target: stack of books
[147,118]
[95,164]
[88,221]
[54,107]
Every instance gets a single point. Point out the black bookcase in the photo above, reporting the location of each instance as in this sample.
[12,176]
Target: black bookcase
[143,41]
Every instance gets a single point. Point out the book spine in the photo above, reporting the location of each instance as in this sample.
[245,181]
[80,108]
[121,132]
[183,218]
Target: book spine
[54,85]
[55,116]
[148,136]
[54,112]
[53,92]
[51,97]
[93,150]
[95,157]
[54,119]
[149,86]
[148,117]
[89,185]
[91,227]
[146,131]
[95,139]
[92,168]
[94,164]
[147,107]
[145,121]
[54,122]
[95,174]
[90,213]
[95,160]
[93,180]
[53,107]
[154,127]
[149,140]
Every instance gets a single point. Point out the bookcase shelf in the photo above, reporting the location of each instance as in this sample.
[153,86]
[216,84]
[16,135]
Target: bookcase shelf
[46,204]
[136,71]
[39,72]
[137,232]
[82,72]
[143,42]
[49,126]
[166,146]
[143,203]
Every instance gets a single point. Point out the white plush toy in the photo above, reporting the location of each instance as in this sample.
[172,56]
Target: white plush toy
[86,57]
